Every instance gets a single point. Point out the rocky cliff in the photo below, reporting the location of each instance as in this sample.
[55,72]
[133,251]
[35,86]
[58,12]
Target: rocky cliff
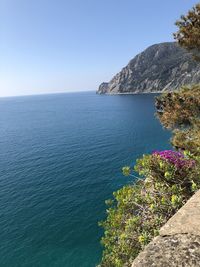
[160,67]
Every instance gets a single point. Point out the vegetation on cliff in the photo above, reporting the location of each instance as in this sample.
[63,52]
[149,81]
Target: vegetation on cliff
[167,179]
[137,211]
[188,35]
[180,112]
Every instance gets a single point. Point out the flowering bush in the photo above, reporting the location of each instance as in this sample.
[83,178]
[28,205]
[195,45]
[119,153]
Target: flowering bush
[137,211]
[177,159]
[172,168]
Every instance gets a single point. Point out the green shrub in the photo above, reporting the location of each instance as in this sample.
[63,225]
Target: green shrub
[188,34]
[180,112]
[137,211]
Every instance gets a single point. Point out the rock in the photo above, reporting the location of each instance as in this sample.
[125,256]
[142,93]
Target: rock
[160,67]
[178,243]
[103,88]
[171,251]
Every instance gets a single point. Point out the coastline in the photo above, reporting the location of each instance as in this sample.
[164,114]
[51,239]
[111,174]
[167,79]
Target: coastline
[131,93]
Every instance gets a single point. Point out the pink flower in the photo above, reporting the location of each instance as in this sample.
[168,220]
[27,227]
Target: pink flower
[176,158]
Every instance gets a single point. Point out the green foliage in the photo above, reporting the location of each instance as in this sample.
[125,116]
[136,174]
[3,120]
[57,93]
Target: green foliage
[179,109]
[188,34]
[138,211]
[180,112]
[126,170]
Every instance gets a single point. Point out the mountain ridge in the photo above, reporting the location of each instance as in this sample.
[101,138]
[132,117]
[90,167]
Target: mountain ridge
[160,67]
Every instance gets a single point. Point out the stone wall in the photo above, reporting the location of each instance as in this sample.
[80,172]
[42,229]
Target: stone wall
[179,241]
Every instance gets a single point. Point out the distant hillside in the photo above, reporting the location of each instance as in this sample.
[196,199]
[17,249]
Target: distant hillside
[160,67]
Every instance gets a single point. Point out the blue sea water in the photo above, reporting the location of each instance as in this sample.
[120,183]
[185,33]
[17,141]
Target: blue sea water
[60,158]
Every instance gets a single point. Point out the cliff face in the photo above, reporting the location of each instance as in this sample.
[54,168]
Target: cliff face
[160,67]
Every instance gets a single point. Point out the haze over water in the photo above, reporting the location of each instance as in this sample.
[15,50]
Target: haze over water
[60,159]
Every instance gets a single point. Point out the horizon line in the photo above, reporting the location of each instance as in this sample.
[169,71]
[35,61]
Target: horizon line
[48,93]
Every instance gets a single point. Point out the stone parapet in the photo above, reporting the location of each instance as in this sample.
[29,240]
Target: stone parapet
[178,243]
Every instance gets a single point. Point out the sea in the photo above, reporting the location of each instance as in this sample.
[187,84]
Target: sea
[61,157]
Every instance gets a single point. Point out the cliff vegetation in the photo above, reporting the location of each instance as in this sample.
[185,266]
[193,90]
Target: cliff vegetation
[163,180]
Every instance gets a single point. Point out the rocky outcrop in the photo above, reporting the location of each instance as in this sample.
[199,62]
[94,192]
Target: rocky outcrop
[160,67]
[179,241]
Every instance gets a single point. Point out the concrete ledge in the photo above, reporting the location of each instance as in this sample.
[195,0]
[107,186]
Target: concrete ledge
[171,251]
[179,241]
[186,220]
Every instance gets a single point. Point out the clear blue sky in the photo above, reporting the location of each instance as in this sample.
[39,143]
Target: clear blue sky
[51,46]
